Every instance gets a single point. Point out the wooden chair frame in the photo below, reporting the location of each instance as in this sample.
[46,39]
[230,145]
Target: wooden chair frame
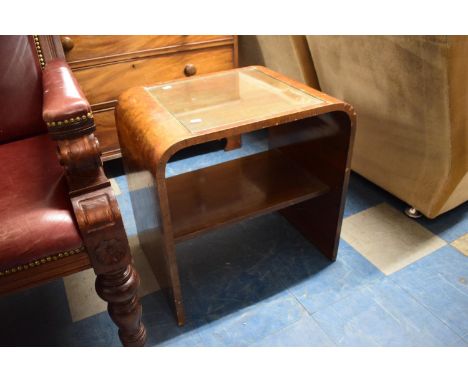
[105,245]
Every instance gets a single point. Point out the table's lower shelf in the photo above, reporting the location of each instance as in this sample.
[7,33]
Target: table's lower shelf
[214,196]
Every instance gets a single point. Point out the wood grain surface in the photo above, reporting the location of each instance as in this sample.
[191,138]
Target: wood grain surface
[104,83]
[248,187]
[107,65]
[308,188]
[89,50]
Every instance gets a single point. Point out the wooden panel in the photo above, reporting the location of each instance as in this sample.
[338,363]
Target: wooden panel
[106,133]
[105,83]
[111,47]
[245,187]
[323,146]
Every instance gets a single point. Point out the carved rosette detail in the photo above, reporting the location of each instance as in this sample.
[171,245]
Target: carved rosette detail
[109,252]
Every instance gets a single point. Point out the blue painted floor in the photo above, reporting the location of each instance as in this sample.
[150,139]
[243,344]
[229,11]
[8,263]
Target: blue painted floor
[260,283]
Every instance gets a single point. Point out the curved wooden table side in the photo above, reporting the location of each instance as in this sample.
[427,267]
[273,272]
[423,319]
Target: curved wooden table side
[316,139]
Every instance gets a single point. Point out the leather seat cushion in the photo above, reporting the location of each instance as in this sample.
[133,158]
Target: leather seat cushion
[36,218]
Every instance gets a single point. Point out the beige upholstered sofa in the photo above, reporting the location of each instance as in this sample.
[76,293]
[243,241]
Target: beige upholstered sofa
[410,94]
[289,55]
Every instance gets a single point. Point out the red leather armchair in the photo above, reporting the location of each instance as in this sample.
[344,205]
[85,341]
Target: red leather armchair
[58,215]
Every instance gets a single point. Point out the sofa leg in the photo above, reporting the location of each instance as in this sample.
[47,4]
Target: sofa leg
[119,289]
[412,212]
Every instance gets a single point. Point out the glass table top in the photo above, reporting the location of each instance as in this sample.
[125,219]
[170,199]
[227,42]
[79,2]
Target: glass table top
[205,103]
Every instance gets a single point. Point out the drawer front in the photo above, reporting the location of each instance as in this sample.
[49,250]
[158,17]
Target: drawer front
[92,47]
[105,83]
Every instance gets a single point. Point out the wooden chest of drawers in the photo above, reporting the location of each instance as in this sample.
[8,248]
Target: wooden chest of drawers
[107,65]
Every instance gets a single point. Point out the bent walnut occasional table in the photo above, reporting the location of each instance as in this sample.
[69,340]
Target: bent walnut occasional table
[304,174]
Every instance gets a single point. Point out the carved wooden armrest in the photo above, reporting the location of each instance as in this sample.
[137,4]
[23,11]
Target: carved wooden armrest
[70,122]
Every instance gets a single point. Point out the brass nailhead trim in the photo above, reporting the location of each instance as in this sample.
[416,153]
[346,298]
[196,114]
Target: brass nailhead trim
[38,262]
[39,51]
[84,117]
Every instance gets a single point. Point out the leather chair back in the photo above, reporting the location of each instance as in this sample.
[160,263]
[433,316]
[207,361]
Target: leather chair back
[20,89]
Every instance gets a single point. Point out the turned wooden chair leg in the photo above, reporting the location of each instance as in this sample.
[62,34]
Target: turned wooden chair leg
[120,289]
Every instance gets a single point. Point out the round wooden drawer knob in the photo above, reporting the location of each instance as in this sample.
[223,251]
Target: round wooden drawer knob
[67,43]
[190,70]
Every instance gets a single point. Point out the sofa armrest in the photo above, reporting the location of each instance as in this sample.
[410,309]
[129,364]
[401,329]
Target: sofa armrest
[66,110]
